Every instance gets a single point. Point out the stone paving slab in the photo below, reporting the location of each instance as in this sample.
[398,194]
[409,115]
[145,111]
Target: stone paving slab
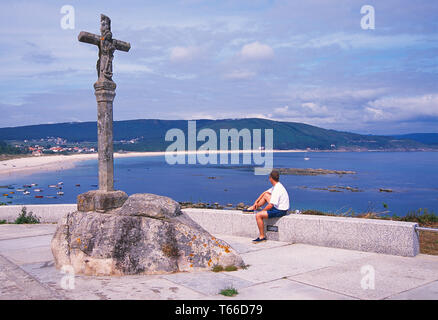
[16,284]
[285,289]
[27,250]
[208,283]
[146,287]
[393,275]
[277,270]
[426,292]
[14,231]
[245,245]
[285,261]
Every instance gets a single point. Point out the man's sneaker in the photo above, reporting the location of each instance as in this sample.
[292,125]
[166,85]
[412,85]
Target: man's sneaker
[258,240]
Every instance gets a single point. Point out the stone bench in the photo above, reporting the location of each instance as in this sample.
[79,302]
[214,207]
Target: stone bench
[370,235]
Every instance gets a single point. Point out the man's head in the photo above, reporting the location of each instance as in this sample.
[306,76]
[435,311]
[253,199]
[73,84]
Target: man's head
[274,176]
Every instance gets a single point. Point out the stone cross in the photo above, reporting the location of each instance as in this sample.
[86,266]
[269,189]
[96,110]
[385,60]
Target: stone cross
[105,92]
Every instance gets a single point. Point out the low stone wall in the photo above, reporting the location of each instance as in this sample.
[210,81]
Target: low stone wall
[370,235]
[48,213]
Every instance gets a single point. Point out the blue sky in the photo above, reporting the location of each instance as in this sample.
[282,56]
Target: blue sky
[304,61]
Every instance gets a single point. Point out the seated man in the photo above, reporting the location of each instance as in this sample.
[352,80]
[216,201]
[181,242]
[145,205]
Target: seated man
[277,199]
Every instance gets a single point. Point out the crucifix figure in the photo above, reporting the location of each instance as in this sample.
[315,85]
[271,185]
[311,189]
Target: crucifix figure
[105,93]
[107,45]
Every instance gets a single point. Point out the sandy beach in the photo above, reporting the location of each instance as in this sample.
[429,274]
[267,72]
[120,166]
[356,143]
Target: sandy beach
[31,165]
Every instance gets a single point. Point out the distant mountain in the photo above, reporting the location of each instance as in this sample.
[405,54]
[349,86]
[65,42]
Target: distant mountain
[425,138]
[150,133]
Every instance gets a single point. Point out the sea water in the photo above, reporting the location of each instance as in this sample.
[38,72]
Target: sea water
[412,176]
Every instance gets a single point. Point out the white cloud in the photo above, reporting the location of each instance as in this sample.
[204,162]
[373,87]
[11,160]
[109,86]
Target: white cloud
[240,75]
[256,51]
[184,54]
[360,41]
[403,108]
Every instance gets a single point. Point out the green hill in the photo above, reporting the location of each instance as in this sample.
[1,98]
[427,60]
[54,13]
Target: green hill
[425,138]
[150,133]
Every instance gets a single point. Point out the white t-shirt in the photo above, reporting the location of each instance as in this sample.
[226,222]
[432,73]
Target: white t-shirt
[279,197]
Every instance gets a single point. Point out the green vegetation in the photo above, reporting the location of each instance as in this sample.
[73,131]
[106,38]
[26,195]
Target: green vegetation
[422,216]
[426,138]
[230,268]
[26,218]
[8,149]
[149,133]
[3,222]
[217,268]
[229,292]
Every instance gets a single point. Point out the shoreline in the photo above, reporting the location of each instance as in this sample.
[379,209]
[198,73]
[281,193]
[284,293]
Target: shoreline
[29,165]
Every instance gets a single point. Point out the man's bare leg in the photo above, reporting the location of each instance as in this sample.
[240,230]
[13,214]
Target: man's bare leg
[259,217]
[265,197]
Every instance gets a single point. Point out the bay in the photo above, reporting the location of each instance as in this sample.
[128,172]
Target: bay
[412,176]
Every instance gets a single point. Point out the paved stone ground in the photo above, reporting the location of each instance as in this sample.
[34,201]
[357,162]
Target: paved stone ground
[277,270]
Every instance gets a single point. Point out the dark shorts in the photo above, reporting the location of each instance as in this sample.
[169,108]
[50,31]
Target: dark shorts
[275,213]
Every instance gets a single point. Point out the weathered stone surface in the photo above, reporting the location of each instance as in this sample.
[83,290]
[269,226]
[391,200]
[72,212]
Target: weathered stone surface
[135,240]
[101,201]
[150,205]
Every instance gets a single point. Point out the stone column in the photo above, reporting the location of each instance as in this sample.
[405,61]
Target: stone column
[105,93]
[104,199]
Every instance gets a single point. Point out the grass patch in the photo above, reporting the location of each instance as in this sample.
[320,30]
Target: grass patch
[231,268]
[26,218]
[3,222]
[217,268]
[229,292]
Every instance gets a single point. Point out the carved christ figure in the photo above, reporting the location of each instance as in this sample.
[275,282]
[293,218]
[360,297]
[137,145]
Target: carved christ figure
[106,50]
[107,45]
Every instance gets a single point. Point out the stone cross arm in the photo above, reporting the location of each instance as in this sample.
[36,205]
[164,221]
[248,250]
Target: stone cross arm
[92,38]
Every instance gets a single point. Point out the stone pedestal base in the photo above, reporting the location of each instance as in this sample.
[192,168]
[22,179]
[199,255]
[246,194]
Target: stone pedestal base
[101,201]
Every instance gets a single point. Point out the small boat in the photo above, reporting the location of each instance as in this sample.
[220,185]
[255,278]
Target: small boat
[78,185]
[11,187]
[27,186]
[20,190]
[38,190]
[53,186]
[306,157]
[60,193]
[12,192]
[5,194]
[60,183]
[26,192]
[51,197]
[38,196]
[33,184]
